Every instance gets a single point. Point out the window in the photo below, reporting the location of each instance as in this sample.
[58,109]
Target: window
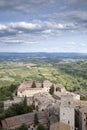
[68,122]
[69,102]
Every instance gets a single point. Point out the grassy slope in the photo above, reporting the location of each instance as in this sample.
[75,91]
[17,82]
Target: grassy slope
[72,75]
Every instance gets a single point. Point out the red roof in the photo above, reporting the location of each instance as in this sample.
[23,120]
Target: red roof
[17,121]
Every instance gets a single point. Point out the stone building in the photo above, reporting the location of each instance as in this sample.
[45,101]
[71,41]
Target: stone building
[83,118]
[67,110]
[63,126]
[43,100]
[9,103]
[59,126]
[47,84]
[25,89]
[28,119]
[60,88]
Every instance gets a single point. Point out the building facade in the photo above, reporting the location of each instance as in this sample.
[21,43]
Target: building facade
[83,118]
[25,89]
[13,123]
[67,110]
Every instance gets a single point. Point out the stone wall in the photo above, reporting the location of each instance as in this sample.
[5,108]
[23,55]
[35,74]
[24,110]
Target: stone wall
[67,110]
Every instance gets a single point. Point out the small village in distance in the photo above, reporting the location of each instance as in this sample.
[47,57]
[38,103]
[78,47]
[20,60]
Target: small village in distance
[53,107]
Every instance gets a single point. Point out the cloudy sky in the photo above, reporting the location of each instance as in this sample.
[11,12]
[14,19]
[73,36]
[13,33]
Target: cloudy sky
[43,26]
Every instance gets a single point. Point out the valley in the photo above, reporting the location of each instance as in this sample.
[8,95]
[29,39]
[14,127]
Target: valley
[70,70]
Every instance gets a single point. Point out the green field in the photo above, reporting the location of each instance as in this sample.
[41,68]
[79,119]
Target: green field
[71,74]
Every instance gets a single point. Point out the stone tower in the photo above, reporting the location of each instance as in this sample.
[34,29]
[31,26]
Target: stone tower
[67,110]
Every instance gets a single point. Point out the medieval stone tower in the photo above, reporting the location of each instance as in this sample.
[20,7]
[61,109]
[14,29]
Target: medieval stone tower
[67,110]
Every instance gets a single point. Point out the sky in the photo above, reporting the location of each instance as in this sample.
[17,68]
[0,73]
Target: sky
[43,26]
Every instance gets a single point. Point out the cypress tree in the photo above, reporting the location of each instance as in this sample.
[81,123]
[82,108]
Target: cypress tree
[33,84]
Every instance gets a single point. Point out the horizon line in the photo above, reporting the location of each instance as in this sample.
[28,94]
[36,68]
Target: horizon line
[46,52]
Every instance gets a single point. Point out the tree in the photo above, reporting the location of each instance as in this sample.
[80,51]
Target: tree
[23,127]
[15,109]
[29,109]
[33,84]
[51,91]
[11,97]
[36,119]
[40,127]
[42,85]
[25,103]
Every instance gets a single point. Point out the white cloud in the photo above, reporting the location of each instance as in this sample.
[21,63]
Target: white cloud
[2,27]
[49,31]
[84,44]
[34,28]
[24,25]
[71,43]
[70,19]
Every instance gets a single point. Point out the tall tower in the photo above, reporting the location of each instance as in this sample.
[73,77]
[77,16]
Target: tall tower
[67,110]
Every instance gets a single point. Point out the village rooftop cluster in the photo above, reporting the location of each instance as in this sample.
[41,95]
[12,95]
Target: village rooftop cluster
[55,110]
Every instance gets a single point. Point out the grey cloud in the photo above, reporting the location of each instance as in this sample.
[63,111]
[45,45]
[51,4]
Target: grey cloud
[34,28]
[68,16]
[20,39]
[27,6]
[78,18]
[35,6]
[77,3]
[5,33]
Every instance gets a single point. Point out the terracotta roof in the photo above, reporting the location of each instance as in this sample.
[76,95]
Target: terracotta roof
[10,102]
[63,126]
[27,86]
[59,126]
[83,103]
[83,109]
[24,86]
[47,83]
[16,121]
[54,126]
